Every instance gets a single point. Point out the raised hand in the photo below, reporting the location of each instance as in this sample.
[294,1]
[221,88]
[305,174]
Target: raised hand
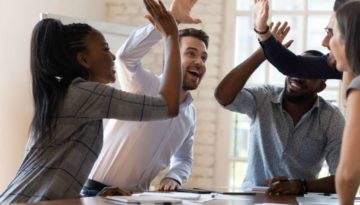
[161,18]
[181,9]
[280,31]
[260,14]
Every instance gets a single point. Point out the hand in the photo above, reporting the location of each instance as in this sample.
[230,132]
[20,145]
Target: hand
[113,191]
[161,18]
[260,14]
[282,185]
[280,31]
[180,9]
[168,184]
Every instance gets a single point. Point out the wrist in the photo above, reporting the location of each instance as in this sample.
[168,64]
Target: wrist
[302,186]
[262,30]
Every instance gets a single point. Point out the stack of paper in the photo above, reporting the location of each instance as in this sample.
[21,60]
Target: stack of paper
[156,200]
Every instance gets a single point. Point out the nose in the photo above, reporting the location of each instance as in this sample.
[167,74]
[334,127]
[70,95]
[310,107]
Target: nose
[113,56]
[325,41]
[200,62]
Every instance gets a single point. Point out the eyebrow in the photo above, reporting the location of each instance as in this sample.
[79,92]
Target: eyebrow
[195,49]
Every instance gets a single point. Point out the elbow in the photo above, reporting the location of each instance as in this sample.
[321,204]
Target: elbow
[220,97]
[348,175]
[173,111]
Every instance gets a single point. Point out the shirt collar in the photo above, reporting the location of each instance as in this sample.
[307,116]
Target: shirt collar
[277,99]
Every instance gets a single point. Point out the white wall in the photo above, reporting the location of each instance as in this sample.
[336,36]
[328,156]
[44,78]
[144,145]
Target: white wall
[17,18]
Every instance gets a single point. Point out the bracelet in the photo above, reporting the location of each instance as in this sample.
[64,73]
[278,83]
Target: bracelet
[262,32]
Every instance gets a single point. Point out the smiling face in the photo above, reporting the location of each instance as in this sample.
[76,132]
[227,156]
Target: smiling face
[98,59]
[326,41]
[193,57]
[298,90]
[337,44]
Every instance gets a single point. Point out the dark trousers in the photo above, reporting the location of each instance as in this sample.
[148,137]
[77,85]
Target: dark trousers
[91,188]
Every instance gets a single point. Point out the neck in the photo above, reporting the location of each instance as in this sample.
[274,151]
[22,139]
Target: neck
[297,109]
[183,95]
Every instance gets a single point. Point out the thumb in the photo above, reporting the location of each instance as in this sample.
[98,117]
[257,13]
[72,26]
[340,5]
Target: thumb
[150,18]
[288,44]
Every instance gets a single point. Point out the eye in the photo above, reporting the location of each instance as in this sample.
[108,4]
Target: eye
[204,57]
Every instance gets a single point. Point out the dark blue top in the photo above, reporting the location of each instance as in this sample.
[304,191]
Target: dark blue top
[295,65]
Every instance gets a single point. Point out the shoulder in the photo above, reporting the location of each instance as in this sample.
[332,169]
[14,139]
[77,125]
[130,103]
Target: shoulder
[329,108]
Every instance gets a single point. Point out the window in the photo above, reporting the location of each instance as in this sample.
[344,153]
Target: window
[307,19]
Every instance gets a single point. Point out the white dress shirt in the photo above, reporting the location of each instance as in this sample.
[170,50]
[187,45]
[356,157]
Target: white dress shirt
[135,152]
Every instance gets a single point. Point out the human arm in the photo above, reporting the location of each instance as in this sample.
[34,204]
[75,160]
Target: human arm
[346,79]
[172,81]
[348,171]
[181,164]
[283,59]
[283,185]
[235,80]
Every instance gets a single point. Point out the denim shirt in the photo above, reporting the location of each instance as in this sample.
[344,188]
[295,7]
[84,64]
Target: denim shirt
[277,147]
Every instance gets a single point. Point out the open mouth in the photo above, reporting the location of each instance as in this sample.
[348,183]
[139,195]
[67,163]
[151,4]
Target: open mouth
[296,85]
[194,73]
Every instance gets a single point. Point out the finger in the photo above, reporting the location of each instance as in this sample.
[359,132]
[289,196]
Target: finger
[149,7]
[150,18]
[154,8]
[162,7]
[288,44]
[196,21]
[282,27]
[286,31]
[271,25]
[276,28]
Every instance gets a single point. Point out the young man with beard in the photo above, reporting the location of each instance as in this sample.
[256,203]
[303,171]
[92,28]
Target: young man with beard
[293,130]
[135,152]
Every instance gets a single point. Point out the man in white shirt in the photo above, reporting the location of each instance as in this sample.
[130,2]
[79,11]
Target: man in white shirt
[135,152]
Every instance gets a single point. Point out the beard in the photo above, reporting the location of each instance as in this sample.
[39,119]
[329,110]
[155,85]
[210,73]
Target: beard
[299,98]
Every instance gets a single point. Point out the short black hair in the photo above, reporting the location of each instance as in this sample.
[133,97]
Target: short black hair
[196,33]
[314,52]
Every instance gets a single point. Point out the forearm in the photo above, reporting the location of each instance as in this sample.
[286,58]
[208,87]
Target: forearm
[346,189]
[234,81]
[172,83]
[138,45]
[324,185]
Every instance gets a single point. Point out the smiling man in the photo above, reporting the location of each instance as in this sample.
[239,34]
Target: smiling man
[293,130]
[135,152]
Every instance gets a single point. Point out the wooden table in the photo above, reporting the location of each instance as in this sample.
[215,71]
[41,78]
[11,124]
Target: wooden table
[258,198]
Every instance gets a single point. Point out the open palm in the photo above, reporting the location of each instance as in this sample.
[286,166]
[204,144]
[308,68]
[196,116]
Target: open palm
[181,9]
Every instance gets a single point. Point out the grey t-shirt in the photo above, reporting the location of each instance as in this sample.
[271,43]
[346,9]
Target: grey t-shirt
[57,166]
[354,84]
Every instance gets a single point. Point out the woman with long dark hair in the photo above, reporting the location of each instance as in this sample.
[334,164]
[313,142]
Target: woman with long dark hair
[69,66]
[345,46]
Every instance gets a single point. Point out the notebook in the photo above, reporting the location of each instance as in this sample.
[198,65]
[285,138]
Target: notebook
[144,200]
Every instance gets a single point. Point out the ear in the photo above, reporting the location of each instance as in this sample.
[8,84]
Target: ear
[321,87]
[81,57]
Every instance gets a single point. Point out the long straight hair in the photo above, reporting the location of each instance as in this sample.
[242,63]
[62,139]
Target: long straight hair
[53,66]
[348,18]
